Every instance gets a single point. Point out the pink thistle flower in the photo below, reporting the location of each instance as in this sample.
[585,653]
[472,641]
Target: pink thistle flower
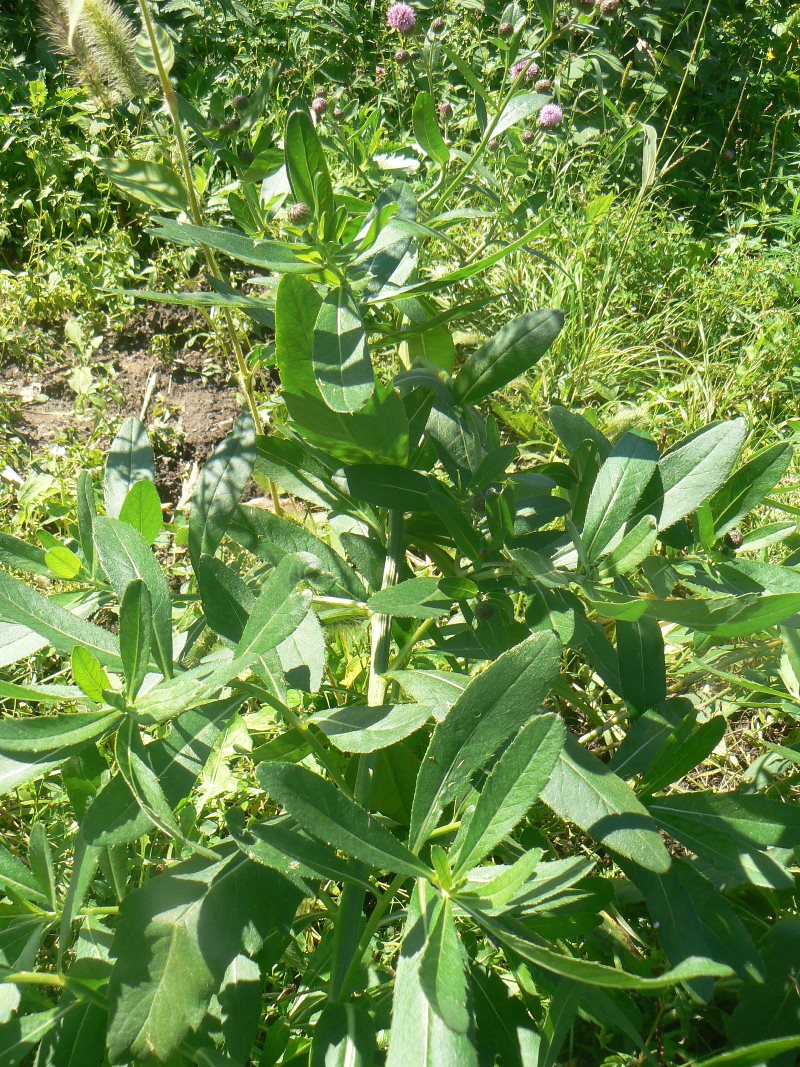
[401,17]
[530,73]
[550,116]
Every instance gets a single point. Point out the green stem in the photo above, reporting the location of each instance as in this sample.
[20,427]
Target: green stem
[171,100]
[349,920]
[380,909]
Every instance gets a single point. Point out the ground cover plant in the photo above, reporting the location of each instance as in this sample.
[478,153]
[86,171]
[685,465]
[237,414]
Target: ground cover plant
[471,740]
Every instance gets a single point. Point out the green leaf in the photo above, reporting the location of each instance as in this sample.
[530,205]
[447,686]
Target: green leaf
[682,752]
[514,349]
[527,945]
[87,513]
[617,489]
[135,635]
[442,967]
[426,130]
[642,667]
[386,486]
[419,1035]
[281,845]
[752,1056]
[415,598]
[635,546]
[307,170]
[584,791]
[328,814]
[22,557]
[513,785]
[16,878]
[151,183]
[494,705]
[60,628]
[438,689]
[219,488]
[278,611]
[142,510]
[39,694]
[129,461]
[731,831]
[746,489]
[21,1036]
[227,600]
[272,537]
[694,469]
[269,255]
[63,563]
[302,655]
[343,1037]
[30,748]
[125,557]
[175,940]
[340,354]
[367,728]
[145,57]
[520,106]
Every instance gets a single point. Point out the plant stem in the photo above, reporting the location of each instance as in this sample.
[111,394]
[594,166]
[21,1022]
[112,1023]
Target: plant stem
[171,100]
[349,920]
[380,909]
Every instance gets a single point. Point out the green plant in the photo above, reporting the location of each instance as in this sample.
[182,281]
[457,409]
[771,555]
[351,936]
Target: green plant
[333,777]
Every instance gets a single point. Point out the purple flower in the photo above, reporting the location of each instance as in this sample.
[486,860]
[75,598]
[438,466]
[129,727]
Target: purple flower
[401,17]
[550,116]
[319,105]
[530,73]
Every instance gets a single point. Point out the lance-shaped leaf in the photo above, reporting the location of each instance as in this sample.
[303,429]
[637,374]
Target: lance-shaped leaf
[328,814]
[584,791]
[426,130]
[526,944]
[278,611]
[307,171]
[692,470]
[269,255]
[419,1035]
[617,489]
[135,635]
[152,183]
[344,1036]
[515,348]
[176,939]
[364,728]
[142,510]
[492,707]
[340,354]
[23,606]
[129,461]
[30,748]
[442,968]
[126,557]
[515,781]
[283,846]
[518,108]
[219,488]
[747,487]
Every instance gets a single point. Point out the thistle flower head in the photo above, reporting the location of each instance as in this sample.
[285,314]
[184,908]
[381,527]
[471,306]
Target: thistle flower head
[607,7]
[401,17]
[530,73]
[401,57]
[240,100]
[445,109]
[298,214]
[505,29]
[100,45]
[550,116]
[438,25]
[544,85]
[319,105]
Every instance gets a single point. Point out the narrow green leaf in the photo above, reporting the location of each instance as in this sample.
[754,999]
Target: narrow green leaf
[367,728]
[22,557]
[129,461]
[426,130]
[344,1036]
[617,489]
[753,1055]
[340,353]
[328,814]
[492,707]
[521,106]
[307,171]
[584,791]
[747,487]
[135,635]
[415,598]
[278,611]
[151,183]
[219,488]
[125,557]
[442,968]
[514,349]
[269,255]
[513,785]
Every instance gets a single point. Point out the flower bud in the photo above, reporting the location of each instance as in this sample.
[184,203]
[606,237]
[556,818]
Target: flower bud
[437,25]
[527,136]
[544,85]
[319,105]
[445,109]
[298,214]
[240,101]
[401,57]
[505,29]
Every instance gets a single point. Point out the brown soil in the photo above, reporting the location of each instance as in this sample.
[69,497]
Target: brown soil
[196,405]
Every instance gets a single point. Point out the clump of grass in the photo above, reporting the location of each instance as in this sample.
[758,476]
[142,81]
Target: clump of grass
[100,45]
